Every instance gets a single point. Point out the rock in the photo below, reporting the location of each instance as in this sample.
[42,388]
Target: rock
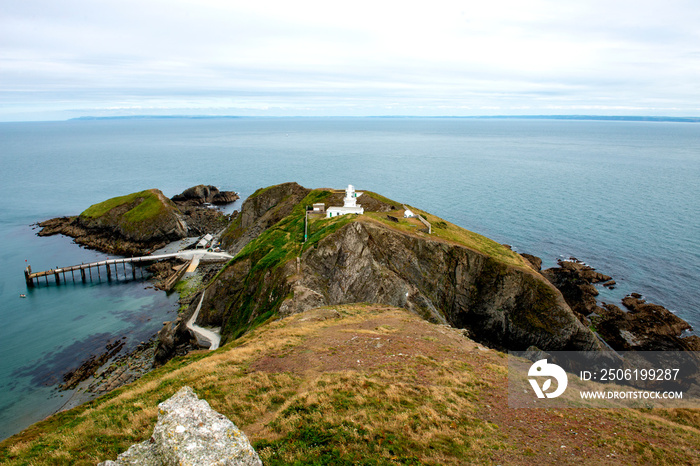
[535,261]
[173,339]
[610,284]
[202,194]
[645,327]
[188,431]
[257,213]
[574,280]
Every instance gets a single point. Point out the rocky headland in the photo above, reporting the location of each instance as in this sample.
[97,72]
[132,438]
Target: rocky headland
[641,327]
[141,222]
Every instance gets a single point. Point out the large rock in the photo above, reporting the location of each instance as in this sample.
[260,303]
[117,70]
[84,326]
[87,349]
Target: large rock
[189,432]
[202,194]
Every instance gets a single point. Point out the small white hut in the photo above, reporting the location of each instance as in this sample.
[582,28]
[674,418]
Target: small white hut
[350,205]
[408,214]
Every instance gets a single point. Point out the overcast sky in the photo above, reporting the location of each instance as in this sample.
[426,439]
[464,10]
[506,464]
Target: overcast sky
[61,59]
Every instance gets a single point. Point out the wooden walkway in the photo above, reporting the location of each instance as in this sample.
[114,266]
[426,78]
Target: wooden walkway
[110,267]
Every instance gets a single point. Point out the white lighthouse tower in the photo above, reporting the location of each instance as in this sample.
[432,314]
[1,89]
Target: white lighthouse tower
[350,205]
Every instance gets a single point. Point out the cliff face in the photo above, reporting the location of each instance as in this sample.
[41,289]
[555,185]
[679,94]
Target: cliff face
[260,211]
[364,260]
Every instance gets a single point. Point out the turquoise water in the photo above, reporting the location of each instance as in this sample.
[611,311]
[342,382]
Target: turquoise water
[622,196]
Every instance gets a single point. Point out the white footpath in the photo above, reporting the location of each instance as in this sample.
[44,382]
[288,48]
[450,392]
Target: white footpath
[203,333]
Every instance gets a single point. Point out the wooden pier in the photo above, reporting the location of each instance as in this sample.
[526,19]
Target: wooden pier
[110,267]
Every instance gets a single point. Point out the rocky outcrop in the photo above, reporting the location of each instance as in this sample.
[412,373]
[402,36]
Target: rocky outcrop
[203,194]
[126,225]
[503,306]
[575,281]
[138,223]
[644,327]
[260,211]
[190,432]
[173,339]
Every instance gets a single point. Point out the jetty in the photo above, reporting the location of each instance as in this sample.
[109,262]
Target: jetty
[110,267]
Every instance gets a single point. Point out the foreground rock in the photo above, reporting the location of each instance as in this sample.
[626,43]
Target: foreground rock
[190,432]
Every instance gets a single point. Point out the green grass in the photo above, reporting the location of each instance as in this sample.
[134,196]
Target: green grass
[450,232]
[149,206]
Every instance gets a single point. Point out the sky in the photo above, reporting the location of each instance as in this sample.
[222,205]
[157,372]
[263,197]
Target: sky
[71,58]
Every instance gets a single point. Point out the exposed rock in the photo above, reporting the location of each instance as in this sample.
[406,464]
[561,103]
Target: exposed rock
[190,432]
[90,366]
[574,280]
[535,261]
[259,212]
[610,284]
[645,327]
[202,194]
[173,339]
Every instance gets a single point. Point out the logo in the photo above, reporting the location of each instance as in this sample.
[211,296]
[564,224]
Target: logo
[542,369]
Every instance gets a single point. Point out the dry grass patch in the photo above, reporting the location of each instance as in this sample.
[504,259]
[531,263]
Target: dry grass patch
[372,385]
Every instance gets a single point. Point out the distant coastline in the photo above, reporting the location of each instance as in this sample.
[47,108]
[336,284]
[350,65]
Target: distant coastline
[482,117]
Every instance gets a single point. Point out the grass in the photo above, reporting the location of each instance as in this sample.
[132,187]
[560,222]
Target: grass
[148,206]
[142,209]
[447,231]
[405,402]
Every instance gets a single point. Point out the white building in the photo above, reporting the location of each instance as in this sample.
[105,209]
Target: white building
[350,205]
[408,214]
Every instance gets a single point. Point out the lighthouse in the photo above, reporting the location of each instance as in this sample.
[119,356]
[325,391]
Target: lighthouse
[350,205]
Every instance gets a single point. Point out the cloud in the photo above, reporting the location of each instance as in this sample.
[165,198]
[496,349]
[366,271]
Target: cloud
[461,55]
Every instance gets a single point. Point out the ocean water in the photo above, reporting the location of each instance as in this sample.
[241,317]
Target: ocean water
[622,196]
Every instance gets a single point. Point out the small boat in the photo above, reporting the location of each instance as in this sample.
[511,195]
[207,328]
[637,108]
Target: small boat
[23,296]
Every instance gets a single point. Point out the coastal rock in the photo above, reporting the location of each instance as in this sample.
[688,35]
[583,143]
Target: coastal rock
[188,431]
[127,225]
[202,194]
[644,327]
[574,279]
[535,261]
[173,339]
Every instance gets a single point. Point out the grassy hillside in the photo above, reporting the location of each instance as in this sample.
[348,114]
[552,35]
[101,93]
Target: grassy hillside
[362,384]
[131,212]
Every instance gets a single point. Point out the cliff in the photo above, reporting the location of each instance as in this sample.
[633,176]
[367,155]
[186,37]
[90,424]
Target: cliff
[451,276]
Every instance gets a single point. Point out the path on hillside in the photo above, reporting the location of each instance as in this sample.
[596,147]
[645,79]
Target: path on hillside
[205,334]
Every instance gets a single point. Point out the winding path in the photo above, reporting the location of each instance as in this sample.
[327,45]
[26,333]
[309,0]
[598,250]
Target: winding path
[203,333]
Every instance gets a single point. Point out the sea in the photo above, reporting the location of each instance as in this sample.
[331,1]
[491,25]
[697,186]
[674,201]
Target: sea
[622,196]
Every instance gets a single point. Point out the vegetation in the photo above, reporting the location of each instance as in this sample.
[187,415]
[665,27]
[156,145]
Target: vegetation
[361,384]
[147,205]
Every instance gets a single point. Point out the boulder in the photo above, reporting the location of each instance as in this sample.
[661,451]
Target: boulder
[190,432]
[202,194]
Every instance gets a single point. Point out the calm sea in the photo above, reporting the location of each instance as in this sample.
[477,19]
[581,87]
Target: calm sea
[622,196]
